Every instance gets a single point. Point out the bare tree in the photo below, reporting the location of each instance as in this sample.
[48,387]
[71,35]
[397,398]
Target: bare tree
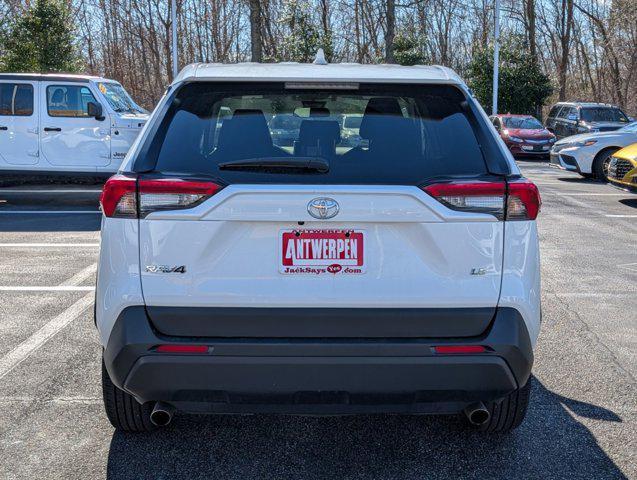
[256,40]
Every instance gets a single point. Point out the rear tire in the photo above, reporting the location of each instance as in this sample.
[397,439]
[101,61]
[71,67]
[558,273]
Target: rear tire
[122,410]
[508,413]
[600,164]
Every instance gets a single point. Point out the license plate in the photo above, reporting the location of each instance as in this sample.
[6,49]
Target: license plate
[322,252]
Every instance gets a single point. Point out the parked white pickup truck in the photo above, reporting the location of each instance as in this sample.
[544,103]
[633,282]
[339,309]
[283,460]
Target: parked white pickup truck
[65,123]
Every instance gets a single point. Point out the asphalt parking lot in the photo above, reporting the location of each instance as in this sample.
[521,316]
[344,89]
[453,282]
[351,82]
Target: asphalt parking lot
[582,421]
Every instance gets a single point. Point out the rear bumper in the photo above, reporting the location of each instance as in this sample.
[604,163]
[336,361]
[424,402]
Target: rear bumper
[517,150]
[330,376]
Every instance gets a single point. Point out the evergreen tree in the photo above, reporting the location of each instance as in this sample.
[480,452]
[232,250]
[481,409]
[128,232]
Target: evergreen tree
[522,86]
[42,40]
[304,37]
[408,50]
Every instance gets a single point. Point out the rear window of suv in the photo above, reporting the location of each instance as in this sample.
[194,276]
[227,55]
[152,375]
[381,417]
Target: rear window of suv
[408,134]
[602,114]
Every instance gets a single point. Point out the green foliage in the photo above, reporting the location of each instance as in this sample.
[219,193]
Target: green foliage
[42,40]
[522,85]
[304,36]
[408,50]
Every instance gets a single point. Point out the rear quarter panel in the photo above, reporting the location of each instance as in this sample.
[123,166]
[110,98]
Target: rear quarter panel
[521,273]
[118,281]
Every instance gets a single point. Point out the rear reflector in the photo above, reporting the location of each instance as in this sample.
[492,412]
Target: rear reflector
[517,200]
[127,197]
[182,348]
[455,349]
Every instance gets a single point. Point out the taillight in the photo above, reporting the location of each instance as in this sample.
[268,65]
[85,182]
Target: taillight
[479,197]
[524,201]
[517,200]
[119,197]
[172,194]
[124,196]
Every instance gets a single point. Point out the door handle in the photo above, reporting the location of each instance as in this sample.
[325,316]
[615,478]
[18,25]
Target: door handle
[52,129]
[4,128]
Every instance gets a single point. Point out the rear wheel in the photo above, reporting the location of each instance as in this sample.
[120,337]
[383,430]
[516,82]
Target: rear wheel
[508,413]
[122,410]
[601,163]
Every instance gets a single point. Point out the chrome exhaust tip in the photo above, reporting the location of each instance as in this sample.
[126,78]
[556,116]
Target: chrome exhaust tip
[477,414]
[162,414]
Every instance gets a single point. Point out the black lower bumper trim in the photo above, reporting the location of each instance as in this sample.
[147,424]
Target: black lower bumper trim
[318,375]
[320,322]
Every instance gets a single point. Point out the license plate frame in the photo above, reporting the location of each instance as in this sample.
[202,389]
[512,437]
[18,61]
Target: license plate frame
[323,251]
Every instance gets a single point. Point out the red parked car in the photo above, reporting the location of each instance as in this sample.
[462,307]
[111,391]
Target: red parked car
[523,134]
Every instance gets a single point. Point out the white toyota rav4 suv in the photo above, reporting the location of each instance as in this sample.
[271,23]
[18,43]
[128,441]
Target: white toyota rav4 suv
[236,275]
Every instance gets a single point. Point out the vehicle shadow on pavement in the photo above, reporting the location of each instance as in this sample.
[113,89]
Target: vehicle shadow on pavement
[578,179]
[38,211]
[549,444]
[629,202]
[88,222]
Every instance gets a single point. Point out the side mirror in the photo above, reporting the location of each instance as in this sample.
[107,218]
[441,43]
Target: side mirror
[572,116]
[95,110]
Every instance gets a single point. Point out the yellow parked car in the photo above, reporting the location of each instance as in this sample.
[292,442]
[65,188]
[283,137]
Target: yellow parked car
[622,169]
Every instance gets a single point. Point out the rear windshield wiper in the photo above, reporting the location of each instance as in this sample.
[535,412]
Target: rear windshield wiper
[317,164]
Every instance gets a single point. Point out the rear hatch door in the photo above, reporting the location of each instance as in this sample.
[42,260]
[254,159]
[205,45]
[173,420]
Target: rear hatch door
[360,250]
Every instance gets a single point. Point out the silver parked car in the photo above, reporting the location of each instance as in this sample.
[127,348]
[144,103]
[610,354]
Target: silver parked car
[589,154]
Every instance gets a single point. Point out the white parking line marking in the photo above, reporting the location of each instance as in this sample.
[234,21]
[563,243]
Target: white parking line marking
[46,212]
[48,245]
[80,276]
[584,194]
[621,216]
[62,400]
[594,294]
[59,288]
[23,351]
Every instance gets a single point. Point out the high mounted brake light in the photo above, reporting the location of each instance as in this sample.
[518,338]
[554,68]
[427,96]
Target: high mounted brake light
[517,200]
[129,197]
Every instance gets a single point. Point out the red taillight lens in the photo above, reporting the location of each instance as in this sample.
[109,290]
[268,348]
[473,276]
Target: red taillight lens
[456,349]
[480,197]
[522,199]
[182,348]
[121,195]
[172,194]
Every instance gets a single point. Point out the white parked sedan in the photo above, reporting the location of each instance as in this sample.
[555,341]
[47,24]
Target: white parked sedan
[589,154]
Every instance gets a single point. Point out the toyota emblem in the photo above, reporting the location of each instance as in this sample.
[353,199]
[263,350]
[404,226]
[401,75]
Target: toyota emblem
[323,208]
